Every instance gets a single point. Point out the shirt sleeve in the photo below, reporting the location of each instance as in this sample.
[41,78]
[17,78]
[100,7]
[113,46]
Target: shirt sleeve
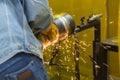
[38,11]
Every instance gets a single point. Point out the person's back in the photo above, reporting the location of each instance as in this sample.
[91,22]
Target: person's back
[18,45]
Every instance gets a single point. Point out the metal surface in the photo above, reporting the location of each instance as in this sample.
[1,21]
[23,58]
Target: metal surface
[65,25]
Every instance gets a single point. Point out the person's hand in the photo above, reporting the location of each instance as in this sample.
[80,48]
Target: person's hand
[49,36]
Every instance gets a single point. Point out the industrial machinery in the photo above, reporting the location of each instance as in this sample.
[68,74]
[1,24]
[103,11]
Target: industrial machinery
[63,27]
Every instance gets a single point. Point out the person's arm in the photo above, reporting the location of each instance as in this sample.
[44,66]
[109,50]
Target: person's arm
[38,13]
[45,28]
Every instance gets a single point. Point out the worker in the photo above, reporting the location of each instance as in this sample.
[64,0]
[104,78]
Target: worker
[20,51]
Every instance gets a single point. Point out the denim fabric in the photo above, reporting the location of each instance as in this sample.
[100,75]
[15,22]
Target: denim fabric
[23,67]
[15,33]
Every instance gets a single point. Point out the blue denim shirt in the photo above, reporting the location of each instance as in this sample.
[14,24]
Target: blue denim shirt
[15,33]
